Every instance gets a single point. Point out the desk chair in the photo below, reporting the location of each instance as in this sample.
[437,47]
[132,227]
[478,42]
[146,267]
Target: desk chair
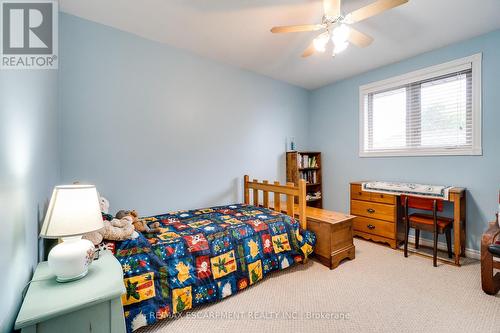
[427,222]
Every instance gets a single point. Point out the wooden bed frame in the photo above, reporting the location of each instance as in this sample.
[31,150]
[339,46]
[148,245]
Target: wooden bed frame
[290,190]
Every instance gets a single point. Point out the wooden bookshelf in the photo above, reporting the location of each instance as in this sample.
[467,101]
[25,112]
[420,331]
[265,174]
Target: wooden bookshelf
[298,167]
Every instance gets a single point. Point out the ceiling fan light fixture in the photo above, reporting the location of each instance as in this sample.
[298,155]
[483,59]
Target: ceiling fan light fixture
[340,47]
[341,34]
[348,19]
[336,24]
[320,42]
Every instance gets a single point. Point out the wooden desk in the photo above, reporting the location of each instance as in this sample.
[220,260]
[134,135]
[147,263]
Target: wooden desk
[457,196]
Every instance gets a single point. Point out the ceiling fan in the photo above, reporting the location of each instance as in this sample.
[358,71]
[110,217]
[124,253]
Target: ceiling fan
[338,27]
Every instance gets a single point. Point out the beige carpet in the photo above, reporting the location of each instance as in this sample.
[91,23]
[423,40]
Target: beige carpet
[379,291]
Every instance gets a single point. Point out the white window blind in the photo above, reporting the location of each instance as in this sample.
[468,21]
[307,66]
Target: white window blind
[434,111]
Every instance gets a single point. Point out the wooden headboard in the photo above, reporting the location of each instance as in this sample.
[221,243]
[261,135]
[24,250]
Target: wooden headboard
[290,190]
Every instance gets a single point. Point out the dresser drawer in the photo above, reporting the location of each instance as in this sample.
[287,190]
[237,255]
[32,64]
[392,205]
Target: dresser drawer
[373,210]
[375,227]
[383,198]
[358,194]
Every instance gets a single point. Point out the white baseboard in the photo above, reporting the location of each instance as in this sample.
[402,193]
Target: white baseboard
[469,253]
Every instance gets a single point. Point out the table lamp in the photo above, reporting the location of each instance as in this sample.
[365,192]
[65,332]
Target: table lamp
[73,211]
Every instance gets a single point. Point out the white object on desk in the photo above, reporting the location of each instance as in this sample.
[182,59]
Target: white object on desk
[421,190]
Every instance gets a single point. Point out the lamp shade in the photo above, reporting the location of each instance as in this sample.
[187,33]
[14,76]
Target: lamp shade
[73,210]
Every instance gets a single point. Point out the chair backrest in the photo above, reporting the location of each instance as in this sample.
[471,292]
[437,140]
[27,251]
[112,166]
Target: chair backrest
[422,203]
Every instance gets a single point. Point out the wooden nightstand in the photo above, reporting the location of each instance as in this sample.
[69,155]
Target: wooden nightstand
[92,304]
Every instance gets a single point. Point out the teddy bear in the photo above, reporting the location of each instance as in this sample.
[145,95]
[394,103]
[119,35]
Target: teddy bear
[140,225]
[114,229]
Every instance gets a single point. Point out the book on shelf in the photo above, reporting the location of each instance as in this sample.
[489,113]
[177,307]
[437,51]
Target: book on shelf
[310,176]
[306,165]
[306,161]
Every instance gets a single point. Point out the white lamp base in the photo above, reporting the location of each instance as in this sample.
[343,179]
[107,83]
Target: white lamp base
[70,260]
[78,277]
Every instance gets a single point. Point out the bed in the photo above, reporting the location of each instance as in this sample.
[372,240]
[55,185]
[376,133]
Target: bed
[204,255]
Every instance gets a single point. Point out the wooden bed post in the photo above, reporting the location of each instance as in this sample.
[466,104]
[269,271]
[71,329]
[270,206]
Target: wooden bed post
[255,194]
[302,204]
[290,199]
[277,199]
[246,190]
[265,195]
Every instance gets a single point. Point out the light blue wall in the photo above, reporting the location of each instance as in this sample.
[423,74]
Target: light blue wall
[157,128]
[333,129]
[28,171]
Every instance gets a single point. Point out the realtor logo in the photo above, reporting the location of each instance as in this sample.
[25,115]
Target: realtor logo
[29,34]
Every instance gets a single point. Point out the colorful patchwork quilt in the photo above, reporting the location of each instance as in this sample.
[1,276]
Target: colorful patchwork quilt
[201,256]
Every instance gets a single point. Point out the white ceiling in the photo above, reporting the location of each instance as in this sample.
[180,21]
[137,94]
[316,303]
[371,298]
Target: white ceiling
[236,32]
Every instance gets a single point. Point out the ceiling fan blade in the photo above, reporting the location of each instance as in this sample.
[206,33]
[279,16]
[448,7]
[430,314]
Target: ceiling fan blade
[309,51]
[372,10]
[331,8]
[297,28]
[359,39]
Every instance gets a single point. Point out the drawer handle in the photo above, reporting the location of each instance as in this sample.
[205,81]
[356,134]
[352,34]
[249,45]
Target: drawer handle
[370,210]
[370,226]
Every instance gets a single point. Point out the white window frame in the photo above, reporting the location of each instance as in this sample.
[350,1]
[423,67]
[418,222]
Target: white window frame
[473,61]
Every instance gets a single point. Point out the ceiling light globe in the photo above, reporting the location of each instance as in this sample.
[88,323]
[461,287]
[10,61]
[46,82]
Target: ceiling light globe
[320,42]
[339,47]
[340,34]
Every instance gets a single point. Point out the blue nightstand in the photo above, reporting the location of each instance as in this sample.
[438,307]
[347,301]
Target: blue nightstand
[92,304]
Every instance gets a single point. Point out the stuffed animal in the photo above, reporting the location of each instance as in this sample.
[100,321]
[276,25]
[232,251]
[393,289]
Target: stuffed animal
[140,225]
[104,203]
[95,237]
[120,229]
[115,229]
[122,213]
[135,234]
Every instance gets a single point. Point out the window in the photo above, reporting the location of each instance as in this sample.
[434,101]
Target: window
[434,111]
